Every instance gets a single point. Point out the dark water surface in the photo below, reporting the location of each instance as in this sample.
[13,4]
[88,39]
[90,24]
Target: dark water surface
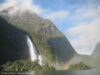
[86,72]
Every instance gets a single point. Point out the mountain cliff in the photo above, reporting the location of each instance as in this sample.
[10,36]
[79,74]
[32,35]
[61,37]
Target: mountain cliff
[12,43]
[50,42]
[97,49]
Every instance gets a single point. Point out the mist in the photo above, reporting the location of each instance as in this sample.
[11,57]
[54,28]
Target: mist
[22,5]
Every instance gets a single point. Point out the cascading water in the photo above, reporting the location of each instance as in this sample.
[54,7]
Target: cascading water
[34,55]
[40,60]
[32,49]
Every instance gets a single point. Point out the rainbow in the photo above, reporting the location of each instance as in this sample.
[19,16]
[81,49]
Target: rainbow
[65,66]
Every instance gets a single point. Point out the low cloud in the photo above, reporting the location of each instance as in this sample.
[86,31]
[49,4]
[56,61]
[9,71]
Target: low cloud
[30,5]
[86,34]
[20,4]
[57,16]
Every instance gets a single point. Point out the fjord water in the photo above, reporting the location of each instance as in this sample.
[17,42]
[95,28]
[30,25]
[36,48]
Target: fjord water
[82,72]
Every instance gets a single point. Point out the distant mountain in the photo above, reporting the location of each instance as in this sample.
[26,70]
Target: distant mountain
[97,49]
[51,43]
[92,61]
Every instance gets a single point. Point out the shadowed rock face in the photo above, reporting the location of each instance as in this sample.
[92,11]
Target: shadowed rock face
[12,43]
[62,48]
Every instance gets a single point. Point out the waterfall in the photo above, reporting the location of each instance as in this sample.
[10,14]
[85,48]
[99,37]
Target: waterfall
[34,55]
[40,60]
[32,49]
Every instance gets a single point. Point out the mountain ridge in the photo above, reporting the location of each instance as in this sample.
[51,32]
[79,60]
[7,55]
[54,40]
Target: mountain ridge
[51,43]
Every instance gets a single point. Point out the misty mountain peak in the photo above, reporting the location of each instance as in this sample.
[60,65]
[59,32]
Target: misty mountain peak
[12,10]
[29,18]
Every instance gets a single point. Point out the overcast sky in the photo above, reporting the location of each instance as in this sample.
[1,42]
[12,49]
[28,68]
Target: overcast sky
[79,20]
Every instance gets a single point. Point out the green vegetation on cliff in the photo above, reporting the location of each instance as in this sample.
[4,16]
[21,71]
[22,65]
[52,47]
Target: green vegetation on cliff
[25,65]
[40,31]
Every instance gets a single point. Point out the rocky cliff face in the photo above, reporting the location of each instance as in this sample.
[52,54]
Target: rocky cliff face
[12,43]
[51,43]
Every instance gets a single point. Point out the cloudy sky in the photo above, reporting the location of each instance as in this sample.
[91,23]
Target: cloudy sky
[79,20]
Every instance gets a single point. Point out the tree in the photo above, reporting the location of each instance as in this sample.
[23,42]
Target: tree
[79,66]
